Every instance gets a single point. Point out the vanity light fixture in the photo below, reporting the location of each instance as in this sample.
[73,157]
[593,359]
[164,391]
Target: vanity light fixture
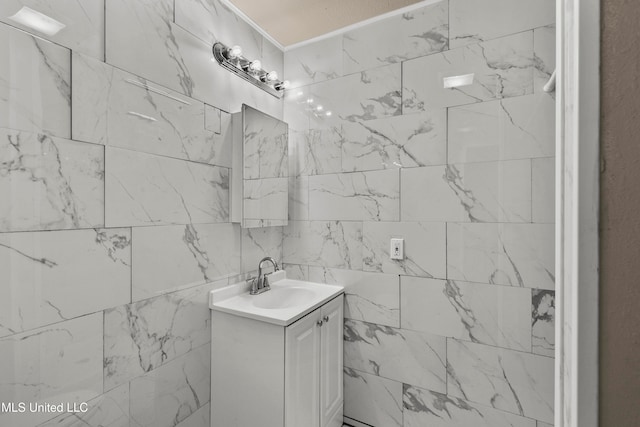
[232,59]
[37,21]
[458,81]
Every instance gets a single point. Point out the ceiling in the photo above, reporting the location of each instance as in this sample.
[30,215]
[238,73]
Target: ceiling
[293,21]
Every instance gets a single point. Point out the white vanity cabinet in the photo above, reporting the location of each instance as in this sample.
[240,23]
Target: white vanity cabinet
[313,368]
[270,375]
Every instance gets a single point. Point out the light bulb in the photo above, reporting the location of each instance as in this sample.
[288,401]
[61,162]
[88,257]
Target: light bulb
[255,65]
[281,85]
[272,76]
[234,52]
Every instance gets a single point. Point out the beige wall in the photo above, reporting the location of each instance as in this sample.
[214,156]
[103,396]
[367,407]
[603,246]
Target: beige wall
[620,211]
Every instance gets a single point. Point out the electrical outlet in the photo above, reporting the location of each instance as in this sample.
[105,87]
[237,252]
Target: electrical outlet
[397,249]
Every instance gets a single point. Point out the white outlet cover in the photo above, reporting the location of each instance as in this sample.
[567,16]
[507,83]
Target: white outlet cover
[396,251]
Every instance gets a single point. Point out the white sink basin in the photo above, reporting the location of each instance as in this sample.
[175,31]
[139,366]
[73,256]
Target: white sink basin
[287,301]
[283,297]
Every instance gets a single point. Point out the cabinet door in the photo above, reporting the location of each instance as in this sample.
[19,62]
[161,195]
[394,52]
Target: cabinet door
[331,362]
[302,372]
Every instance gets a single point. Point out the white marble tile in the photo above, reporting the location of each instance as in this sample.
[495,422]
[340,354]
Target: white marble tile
[265,145]
[266,199]
[143,189]
[145,335]
[35,91]
[424,248]
[141,115]
[541,424]
[335,244]
[514,128]
[175,58]
[401,355]
[371,399]
[61,363]
[478,20]
[83,20]
[543,189]
[200,418]
[295,271]
[367,95]
[506,254]
[395,142]
[107,410]
[273,58]
[258,243]
[213,21]
[475,192]
[512,381]
[501,68]
[543,322]
[428,408]
[314,62]
[487,314]
[169,258]
[43,283]
[412,34]
[294,108]
[49,183]
[170,394]
[544,51]
[298,198]
[319,151]
[369,297]
[367,196]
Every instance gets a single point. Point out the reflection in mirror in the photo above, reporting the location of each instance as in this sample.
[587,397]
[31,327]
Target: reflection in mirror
[264,166]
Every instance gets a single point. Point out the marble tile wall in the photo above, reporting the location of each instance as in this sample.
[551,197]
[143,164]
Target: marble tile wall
[461,331]
[115,156]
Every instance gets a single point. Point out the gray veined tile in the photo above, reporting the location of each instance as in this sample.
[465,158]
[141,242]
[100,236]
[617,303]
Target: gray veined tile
[258,243]
[51,276]
[169,191]
[424,248]
[501,68]
[512,381]
[512,128]
[298,198]
[475,192]
[110,409]
[56,364]
[145,335]
[398,354]
[416,33]
[543,321]
[297,272]
[487,314]
[83,20]
[544,50]
[266,199]
[366,95]
[213,118]
[313,63]
[541,424]
[429,408]
[169,258]
[335,244]
[543,190]
[395,142]
[172,393]
[200,418]
[368,196]
[478,20]
[373,400]
[49,183]
[265,146]
[118,109]
[35,90]
[174,57]
[319,151]
[213,21]
[505,254]
[369,297]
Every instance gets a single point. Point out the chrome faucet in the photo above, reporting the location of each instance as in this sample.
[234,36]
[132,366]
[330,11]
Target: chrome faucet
[261,283]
